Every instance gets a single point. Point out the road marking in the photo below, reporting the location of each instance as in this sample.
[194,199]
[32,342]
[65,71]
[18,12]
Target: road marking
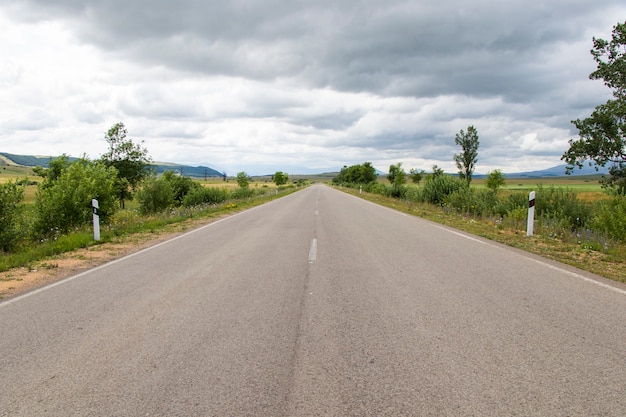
[313,251]
[464,236]
[584,278]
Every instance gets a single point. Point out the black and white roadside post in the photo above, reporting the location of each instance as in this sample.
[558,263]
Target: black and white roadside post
[531,214]
[96,219]
[360,189]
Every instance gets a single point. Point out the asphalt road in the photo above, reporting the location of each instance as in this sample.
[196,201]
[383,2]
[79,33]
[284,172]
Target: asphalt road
[318,304]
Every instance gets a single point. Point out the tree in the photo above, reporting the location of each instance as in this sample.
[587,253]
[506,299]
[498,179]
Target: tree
[131,161]
[495,179]
[11,195]
[280,178]
[156,195]
[64,202]
[397,175]
[602,136]
[364,173]
[181,186]
[243,179]
[437,172]
[417,175]
[466,160]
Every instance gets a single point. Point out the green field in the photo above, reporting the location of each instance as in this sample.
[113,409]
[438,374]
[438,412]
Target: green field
[14,172]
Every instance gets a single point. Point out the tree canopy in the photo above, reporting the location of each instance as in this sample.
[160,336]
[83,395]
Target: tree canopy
[281,178]
[602,135]
[243,179]
[130,159]
[397,175]
[356,174]
[495,179]
[466,160]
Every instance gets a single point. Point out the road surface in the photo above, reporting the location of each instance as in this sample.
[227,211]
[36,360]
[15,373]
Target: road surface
[318,304]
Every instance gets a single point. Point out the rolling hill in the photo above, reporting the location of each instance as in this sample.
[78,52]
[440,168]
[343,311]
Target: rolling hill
[160,167]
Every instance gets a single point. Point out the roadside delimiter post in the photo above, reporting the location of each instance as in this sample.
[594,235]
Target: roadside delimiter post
[96,219]
[531,214]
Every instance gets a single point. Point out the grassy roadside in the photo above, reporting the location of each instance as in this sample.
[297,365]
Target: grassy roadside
[609,263]
[128,226]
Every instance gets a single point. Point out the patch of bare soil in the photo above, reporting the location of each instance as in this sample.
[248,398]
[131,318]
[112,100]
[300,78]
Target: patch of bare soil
[22,280]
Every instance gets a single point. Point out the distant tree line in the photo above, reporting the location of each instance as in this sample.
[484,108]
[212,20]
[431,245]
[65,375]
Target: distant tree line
[63,201]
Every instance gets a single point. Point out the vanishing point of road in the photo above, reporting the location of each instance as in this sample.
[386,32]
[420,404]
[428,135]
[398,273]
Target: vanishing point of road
[318,304]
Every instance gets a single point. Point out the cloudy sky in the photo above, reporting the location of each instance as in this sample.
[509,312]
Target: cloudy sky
[297,85]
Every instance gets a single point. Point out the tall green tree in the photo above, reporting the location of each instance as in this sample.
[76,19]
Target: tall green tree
[11,195]
[281,178]
[181,186]
[417,175]
[466,160]
[356,174]
[130,159]
[397,175]
[495,179]
[243,179]
[602,136]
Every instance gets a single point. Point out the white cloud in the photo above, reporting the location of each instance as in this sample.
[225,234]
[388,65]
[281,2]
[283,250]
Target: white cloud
[246,86]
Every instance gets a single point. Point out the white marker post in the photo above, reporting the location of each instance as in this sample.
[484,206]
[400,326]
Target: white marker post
[531,214]
[360,189]
[96,219]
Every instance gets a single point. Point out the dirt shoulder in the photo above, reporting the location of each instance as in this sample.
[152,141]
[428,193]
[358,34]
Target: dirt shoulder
[21,280]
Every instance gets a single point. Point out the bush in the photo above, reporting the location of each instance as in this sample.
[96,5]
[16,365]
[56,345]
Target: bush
[610,218]
[181,186]
[241,193]
[473,201]
[155,196]
[413,194]
[438,187]
[11,194]
[397,191]
[513,204]
[63,201]
[561,204]
[375,188]
[205,195]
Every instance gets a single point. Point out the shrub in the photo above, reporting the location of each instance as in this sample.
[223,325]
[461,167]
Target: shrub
[205,195]
[375,188]
[610,218]
[181,186]
[472,201]
[438,187]
[514,203]
[64,201]
[155,196]
[241,193]
[396,191]
[11,194]
[412,194]
[562,205]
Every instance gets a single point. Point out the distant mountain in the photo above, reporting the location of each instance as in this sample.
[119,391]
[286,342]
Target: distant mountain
[558,171]
[187,171]
[43,161]
[27,160]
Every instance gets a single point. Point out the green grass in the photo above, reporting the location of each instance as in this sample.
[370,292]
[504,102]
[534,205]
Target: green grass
[13,173]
